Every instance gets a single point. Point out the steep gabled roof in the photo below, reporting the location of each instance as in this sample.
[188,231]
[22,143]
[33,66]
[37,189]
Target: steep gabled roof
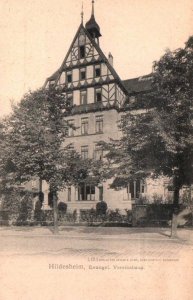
[139,84]
[114,73]
[55,75]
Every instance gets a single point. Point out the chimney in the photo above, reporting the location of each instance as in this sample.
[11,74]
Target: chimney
[110,59]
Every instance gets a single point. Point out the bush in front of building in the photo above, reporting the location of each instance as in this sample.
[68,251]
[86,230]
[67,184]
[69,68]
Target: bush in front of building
[101,208]
[47,218]
[111,218]
[62,207]
[19,206]
[154,214]
[38,213]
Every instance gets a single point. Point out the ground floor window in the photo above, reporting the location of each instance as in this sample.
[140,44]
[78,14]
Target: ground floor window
[136,188]
[86,192]
[100,193]
[69,193]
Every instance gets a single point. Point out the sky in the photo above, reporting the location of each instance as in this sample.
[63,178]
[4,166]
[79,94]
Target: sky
[36,35]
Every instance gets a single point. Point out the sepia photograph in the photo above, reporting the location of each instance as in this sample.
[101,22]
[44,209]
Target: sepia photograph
[96,150]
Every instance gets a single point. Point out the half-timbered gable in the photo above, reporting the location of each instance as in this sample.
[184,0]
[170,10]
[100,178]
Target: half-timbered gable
[87,75]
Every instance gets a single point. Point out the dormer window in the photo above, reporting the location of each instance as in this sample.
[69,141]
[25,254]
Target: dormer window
[82,51]
[69,77]
[97,71]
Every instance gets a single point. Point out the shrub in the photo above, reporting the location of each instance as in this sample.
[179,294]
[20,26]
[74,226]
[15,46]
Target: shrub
[23,211]
[157,199]
[115,216]
[142,200]
[38,214]
[18,205]
[101,208]
[62,207]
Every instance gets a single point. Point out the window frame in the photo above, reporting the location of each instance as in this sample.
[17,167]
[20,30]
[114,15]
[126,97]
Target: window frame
[85,98]
[97,89]
[96,68]
[84,149]
[84,126]
[98,153]
[85,192]
[69,196]
[68,73]
[70,129]
[80,72]
[80,51]
[99,120]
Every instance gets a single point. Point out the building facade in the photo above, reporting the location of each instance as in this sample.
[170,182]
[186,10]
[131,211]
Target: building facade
[96,97]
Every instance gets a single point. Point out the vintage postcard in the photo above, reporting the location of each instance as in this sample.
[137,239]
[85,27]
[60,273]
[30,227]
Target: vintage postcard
[96,151]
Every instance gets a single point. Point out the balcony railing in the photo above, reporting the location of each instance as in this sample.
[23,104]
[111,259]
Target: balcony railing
[84,108]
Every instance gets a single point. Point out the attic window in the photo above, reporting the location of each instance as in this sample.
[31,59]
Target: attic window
[82,51]
[69,77]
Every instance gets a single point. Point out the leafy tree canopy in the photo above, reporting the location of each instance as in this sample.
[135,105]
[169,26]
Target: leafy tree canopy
[34,140]
[159,138]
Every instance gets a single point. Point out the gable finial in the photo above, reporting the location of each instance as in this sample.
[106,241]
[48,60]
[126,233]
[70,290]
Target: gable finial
[82,14]
[92,7]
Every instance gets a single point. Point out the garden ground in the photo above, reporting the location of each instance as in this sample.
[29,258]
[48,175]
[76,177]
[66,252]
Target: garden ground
[79,240]
[95,263]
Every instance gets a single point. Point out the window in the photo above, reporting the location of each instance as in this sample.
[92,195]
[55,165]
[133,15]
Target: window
[100,193]
[83,97]
[84,126]
[98,95]
[82,51]
[69,77]
[99,124]
[69,99]
[97,71]
[98,152]
[84,152]
[69,193]
[135,188]
[86,192]
[83,74]
[70,128]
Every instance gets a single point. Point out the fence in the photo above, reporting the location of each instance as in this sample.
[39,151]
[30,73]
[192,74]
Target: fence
[159,215]
[4,217]
[140,216]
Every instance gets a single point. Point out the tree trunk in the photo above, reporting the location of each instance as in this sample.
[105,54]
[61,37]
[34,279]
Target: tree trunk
[175,210]
[55,211]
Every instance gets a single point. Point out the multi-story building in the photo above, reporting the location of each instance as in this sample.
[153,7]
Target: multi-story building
[97,96]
